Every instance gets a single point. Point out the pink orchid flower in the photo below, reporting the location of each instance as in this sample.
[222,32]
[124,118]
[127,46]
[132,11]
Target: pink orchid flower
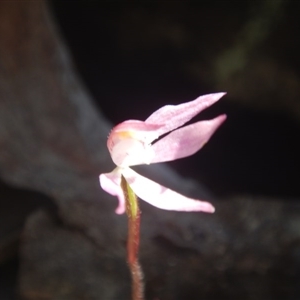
[137,142]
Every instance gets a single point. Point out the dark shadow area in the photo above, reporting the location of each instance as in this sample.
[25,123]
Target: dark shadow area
[16,205]
[8,279]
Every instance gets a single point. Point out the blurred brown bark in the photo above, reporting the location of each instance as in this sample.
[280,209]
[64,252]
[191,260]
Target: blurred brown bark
[52,140]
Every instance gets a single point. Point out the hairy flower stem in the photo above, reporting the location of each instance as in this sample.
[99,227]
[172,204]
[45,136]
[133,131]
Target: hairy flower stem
[134,217]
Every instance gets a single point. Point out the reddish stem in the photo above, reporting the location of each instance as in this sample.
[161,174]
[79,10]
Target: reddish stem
[134,218]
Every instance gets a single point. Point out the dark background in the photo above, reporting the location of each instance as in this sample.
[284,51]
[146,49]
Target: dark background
[135,57]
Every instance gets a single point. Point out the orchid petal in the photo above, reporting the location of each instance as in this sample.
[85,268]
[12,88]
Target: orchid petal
[135,125]
[185,141]
[162,197]
[111,183]
[174,116]
[138,130]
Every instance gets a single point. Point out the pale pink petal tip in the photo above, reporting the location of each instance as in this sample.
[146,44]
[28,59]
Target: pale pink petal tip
[110,182]
[206,207]
[121,208]
[162,197]
[223,118]
[220,94]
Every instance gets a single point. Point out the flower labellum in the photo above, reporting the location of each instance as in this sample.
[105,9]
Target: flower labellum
[135,142]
